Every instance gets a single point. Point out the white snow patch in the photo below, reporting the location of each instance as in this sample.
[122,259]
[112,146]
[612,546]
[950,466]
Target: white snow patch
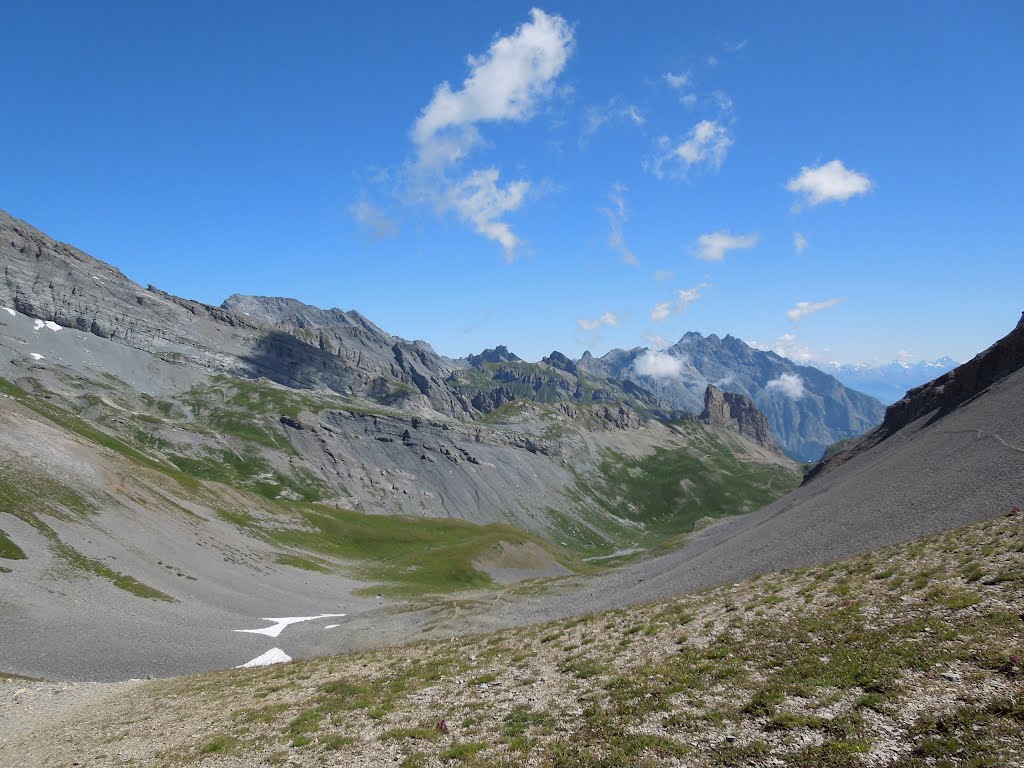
[273,656]
[280,624]
[36,356]
[9,311]
[332,626]
[40,324]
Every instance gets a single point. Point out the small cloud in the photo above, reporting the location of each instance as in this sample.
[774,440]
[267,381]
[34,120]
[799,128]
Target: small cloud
[479,200]
[688,100]
[705,146]
[617,216]
[829,182]
[683,299]
[712,61]
[657,341]
[714,245]
[805,308]
[734,47]
[799,243]
[664,274]
[678,81]
[788,384]
[595,118]
[658,365]
[608,318]
[905,356]
[374,220]
[786,346]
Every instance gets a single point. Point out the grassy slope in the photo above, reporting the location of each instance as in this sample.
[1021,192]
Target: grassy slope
[401,556]
[908,657]
[668,491]
[409,556]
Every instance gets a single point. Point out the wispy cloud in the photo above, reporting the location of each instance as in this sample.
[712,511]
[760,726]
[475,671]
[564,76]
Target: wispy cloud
[704,147]
[787,384]
[805,308]
[617,216]
[799,243]
[376,222]
[504,84]
[714,245]
[831,182]
[480,200]
[664,274]
[658,365]
[615,111]
[682,300]
[608,318]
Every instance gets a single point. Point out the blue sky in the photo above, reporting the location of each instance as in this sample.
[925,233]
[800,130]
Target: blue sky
[842,181]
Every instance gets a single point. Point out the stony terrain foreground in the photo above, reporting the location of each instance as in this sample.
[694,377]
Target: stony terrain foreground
[908,656]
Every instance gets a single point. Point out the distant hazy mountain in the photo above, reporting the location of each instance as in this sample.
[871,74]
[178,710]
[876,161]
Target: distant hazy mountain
[807,408]
[889,381]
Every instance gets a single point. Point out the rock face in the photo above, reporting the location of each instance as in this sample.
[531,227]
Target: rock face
[738,412]
[940,397]
[808,410]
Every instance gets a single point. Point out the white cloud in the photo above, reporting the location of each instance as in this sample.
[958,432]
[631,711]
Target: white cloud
[373,219]
[678,81]
[805,308]
[657,341]
[683,299]
[786,346]
[734,47]
[658,365]
[505,83]
[829,182]
[799,243]
[617,216]
[788,384]
[479,200]
[608,318]
[714,245]
[688,100]
[705,146]
[664,274]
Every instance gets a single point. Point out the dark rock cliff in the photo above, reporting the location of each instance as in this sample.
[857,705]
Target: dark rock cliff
[737,412]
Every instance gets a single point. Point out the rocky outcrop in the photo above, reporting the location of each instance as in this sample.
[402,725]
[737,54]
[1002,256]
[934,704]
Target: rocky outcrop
[499,354]
[939,397]
[737,412]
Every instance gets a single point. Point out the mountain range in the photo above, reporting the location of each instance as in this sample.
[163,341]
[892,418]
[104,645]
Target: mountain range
[887,382]
[159,457]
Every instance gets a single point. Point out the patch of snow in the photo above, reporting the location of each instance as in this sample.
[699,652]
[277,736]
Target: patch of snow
[40,324]
[273,656]
[9,311]
[280,623]
[332,626]
[36,356]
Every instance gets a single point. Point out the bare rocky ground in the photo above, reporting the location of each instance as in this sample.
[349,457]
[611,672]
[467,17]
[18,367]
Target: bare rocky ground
[908,656]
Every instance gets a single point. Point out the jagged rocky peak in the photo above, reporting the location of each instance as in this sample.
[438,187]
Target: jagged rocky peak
[499,354]
[557,360]
[733,410]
